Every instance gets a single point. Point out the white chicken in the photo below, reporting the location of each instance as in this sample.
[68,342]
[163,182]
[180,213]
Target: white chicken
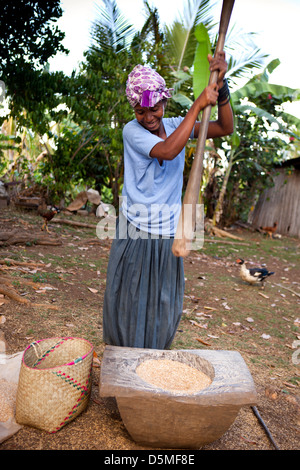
[253,275]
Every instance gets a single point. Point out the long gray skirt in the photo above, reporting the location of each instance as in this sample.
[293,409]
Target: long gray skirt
[144,291]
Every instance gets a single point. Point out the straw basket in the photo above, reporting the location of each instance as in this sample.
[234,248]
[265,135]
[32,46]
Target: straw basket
[54,383]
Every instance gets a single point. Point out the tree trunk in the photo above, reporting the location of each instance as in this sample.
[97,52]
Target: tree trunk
[219,208]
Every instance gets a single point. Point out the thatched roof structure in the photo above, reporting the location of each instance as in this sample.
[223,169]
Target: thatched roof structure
[281,203]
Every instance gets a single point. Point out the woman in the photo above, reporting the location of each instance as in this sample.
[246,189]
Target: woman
[145,281]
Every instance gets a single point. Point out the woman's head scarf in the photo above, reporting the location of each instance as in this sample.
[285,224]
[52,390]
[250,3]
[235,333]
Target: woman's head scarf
[146,87]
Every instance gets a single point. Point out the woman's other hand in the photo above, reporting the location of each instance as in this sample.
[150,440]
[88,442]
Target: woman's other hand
[218,63]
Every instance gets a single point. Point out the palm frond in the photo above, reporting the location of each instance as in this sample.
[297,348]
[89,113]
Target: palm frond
[244,55]
[240,65]
[112,30]
[198,11]
[152,23]
[180,35]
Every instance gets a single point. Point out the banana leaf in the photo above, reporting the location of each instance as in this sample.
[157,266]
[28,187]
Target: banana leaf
[183,100]
[201,64]
[292,120]
[253,89]
[264,76]
[182,79]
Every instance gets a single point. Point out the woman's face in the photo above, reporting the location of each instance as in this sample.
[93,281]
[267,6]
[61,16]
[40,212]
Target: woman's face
[150,118]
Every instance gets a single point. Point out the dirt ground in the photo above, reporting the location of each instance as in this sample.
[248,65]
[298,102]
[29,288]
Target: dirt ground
[221,312]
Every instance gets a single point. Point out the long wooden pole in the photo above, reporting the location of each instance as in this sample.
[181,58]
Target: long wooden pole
[187,221]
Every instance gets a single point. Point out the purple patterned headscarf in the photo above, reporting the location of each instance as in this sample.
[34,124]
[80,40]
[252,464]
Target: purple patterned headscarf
[146,87]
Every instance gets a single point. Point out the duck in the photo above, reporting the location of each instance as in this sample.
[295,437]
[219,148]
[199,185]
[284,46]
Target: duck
[253,275]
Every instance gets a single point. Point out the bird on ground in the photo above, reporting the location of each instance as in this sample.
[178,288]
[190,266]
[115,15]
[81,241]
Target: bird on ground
[47,212]
[253,275]
[270,230]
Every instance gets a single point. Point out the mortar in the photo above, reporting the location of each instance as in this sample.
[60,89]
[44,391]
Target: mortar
[160,418]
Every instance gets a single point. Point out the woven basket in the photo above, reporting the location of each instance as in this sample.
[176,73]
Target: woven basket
[54,383]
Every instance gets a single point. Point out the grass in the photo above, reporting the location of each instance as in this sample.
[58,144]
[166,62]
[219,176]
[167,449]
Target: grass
[262,249]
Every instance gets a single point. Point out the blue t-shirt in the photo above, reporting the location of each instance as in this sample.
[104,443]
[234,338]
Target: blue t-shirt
[151,192]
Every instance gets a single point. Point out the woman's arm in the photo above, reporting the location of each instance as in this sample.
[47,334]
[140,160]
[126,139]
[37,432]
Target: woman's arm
[172,146]
[223,126]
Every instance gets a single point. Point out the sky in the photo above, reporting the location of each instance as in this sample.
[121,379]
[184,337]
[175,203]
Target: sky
[275,22]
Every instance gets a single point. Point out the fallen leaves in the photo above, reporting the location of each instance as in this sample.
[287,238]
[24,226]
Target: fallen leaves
[249,441]
[288,384]
[96,361]
[94,291]
[225,327]
[11,293]
[12,262]
[263,295]
[8,285]
[198,324]
[203,342]
[272,393]
[288,289]
[225,305]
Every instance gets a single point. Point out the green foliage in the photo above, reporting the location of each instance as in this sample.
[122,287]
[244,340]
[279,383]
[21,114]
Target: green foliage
[28,39]
[180,37]
[259,139]
[201,65]
[39,94]
[28,33]
[97,101]
[90,107]
[261,133]
[251,172]
[99,107]
[7,142]
[112,31]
